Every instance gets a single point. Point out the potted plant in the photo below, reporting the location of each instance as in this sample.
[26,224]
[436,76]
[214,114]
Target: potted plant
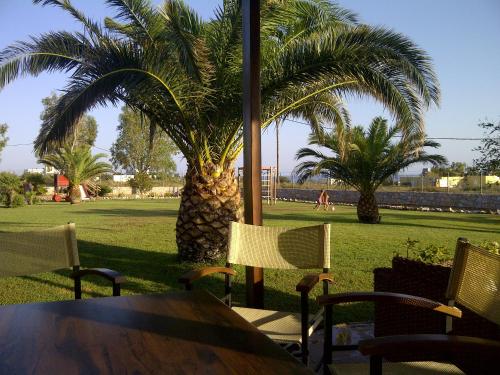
[424,272]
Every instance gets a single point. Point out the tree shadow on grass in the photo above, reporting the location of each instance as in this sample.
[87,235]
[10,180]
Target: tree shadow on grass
[130,212]
[392,219]
[151,272]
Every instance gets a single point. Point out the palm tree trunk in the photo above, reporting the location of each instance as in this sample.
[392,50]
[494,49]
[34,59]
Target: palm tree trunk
[74,194]
[207,207]
[367,208]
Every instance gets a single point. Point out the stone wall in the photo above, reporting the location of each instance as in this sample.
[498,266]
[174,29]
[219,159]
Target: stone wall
[410,199]
[119,191]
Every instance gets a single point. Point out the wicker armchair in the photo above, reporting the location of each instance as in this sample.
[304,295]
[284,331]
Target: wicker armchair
[27,253]
[474,283]
[278,248]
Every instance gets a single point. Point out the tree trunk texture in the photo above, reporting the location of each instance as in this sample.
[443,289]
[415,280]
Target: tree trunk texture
[208,205]
[74,194]
[368,209]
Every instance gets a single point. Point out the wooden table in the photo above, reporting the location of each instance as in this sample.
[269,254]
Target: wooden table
[180,332]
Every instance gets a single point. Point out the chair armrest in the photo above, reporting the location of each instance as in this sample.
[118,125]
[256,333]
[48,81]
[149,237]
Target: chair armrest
[116,278]
[309,281]
[404,299]
[111,275]
[194,275]
[429,347]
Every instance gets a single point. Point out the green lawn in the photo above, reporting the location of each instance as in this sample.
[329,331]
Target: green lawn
[137,238]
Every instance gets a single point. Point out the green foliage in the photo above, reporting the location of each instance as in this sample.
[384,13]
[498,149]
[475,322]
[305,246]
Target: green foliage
[3,137]
[142,147]
[284,180]
[489,162]
[10,185]
[184,72]
[365,159]
[38,182]
[78,165]
[82,134]
[453,169]
[431,254]
[17,201]
[104,190]
[141,182]
[492,246]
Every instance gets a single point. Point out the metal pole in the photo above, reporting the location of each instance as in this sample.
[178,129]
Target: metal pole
[251,139]
[481,181]
[277,152]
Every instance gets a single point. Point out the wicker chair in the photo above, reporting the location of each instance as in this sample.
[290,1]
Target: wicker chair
[278,248]
[28,253]
[474,283]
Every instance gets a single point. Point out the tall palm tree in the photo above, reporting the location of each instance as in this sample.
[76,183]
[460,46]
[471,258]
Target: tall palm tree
[184,74]
[79,166]
[364,159]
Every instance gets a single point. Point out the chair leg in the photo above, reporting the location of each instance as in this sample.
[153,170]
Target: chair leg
[78,288]
[327,343]
[304,316]
[375,365]
[116,289]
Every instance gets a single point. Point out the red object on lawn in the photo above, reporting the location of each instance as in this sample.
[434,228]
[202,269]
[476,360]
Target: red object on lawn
[60,181]
[56,198]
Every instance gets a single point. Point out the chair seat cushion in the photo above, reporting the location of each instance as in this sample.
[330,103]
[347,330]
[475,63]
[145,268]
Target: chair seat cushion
[278,325]
[396,368]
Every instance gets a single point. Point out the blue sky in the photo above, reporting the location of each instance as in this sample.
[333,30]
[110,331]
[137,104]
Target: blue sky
[462,37]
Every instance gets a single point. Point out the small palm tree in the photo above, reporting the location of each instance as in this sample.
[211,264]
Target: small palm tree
[79,166]
[364,159]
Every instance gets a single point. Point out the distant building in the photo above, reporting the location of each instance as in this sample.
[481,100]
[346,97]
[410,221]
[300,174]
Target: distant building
[51,170]
[469,181]
[35,170]
[122,177]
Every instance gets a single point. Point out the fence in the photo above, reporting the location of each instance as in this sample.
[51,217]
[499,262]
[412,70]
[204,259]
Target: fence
[400,183]
[402,200]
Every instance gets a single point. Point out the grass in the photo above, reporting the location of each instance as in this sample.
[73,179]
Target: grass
[137,238]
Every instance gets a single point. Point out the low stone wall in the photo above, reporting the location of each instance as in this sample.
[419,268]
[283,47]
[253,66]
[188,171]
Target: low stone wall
[406,199]
[157,191]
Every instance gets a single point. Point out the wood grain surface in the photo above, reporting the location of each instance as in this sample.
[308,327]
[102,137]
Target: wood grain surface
[176,333]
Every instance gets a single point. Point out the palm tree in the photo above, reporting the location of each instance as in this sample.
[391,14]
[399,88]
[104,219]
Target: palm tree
[184,74]
[79,166]
[364,159]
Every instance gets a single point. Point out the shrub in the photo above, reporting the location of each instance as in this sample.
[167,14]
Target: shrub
[104,190]
[431,254]
[10,185]
[141,182]
[284,180]
[17,201]
[30,197]
[492,246]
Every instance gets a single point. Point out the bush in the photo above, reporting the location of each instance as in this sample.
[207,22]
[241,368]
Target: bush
[10,185]
[141,182]
[284,180]
[104,190]
[17,201]
[430,254]
[492,246]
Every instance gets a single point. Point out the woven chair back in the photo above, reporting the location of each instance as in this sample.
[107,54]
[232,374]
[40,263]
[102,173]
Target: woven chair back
[475,280]
[278,247]
[27,253]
